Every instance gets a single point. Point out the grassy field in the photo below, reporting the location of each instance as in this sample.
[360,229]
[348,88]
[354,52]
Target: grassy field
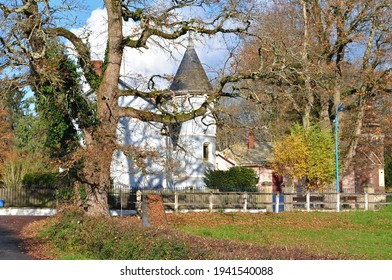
[290,235]
[354,235]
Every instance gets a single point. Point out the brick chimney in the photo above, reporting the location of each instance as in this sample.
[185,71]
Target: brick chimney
[251,140]
[97,66]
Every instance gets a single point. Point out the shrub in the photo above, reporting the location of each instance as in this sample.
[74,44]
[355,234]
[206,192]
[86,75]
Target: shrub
[237,178]
[18,164]
[216,178]
[62,182]
[76,235]
[41,179]
[13,170]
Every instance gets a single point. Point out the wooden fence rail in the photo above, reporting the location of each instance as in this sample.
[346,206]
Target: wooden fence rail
[180,201]
[239,201]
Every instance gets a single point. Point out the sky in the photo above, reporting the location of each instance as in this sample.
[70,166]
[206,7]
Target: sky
[212,51]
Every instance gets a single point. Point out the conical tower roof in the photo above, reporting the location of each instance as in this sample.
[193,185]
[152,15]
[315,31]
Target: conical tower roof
[190,76]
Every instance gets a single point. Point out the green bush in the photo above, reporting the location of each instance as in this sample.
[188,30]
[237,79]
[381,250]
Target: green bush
[238,178]
[42,180]
[63,183]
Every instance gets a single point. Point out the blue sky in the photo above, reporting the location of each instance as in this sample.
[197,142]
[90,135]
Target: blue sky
[212,50]
[91,5]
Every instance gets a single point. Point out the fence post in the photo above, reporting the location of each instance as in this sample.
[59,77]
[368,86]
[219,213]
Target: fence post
[370,192]
[210,201]
[139,201]
[245,197]
[366,201]
[308,201]
[277,196]
[288,198]
[337,202]
[267,196]
[175,201]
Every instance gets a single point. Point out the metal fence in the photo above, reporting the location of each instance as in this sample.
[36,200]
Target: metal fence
[32,198]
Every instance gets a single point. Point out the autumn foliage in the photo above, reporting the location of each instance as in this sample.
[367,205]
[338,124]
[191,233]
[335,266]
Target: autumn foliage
[6,136]
[306,154]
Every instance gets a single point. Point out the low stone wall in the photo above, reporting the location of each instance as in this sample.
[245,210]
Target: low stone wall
[51,212]
[27,211]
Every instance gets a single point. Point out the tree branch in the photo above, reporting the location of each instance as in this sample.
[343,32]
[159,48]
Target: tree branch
[163,27]
[161,118]
[23,9]
[82,49]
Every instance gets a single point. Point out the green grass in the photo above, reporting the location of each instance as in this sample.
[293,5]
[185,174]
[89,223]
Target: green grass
[75,236]
[347,235]
[355,235]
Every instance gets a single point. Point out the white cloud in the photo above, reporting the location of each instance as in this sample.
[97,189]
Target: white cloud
[212,51]
[95,32]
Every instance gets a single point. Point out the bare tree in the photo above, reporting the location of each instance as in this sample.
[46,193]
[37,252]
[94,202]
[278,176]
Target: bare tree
[29,27]
[316,54]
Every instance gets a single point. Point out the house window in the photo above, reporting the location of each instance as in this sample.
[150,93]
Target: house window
[206,151]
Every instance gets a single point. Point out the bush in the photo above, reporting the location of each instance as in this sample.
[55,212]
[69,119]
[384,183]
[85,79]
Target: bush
[63,183]
[13,170]
[18,164]
[238,178]
[76,235]
[41,180]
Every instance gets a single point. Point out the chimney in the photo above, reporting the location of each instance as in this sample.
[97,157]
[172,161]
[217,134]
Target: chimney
[251,140]
[97,66]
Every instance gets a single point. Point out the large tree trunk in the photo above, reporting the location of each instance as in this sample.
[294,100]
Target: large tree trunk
[95,174]
[325,122]
[353,142]
[98,154]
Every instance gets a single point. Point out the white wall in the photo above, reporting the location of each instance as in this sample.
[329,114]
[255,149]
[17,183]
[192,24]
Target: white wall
[181,166]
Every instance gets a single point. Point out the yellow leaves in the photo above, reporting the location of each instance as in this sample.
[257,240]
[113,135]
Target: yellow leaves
[306,153]
[290,156]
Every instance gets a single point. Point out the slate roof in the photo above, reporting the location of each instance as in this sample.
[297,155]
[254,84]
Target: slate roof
[260,155]
[190,76]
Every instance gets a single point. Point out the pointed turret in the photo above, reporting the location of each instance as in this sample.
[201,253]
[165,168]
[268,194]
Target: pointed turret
[190,76]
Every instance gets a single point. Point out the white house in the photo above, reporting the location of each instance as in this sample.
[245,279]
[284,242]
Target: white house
[173,156]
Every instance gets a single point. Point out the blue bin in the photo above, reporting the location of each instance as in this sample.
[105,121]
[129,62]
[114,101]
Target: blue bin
[1,203]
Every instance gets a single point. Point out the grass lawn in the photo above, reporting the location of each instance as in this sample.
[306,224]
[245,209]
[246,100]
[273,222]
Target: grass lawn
[355,235]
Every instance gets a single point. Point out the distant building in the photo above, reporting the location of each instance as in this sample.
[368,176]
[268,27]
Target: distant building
[367,169]
[366,173]
[254,155]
